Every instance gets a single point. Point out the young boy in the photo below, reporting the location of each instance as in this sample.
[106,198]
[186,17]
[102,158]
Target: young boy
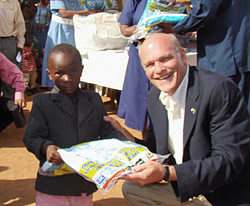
[29,69]
[61,118]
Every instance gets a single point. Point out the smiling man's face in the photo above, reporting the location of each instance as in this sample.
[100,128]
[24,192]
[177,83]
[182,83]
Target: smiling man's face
[164,62]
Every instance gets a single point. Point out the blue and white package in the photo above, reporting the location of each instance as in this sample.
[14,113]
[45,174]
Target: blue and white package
[156,12]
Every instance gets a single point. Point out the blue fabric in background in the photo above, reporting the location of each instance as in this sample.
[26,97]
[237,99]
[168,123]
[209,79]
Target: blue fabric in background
[132,104]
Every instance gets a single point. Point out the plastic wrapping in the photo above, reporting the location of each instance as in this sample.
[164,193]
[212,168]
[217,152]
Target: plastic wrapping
[156,12]
[101,162]
[98,32]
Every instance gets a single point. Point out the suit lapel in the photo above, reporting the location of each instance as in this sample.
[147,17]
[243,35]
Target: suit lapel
[192,105]
[163,123]
[159,118]
[64,103]
[84,106]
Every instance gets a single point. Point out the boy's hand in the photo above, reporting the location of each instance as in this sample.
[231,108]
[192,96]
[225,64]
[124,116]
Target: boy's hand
[53,156]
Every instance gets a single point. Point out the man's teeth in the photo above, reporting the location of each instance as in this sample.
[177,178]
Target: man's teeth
[165,77]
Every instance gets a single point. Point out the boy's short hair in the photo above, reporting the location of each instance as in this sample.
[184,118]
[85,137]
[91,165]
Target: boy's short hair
[65,48]
[25,3]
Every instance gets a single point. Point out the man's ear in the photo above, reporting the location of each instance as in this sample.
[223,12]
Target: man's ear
[49,73]
[183,55]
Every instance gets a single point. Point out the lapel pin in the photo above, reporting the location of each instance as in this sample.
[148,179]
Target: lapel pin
[193,110]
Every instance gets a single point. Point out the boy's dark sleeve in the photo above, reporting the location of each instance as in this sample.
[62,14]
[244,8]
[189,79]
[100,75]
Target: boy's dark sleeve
[36,130]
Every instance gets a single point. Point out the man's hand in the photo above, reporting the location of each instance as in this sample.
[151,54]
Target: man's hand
[21,103]
[167,27]
[149,172]
[114,122]
[53,156]
[19,50]
[127,30]
[186,2]
[118,127]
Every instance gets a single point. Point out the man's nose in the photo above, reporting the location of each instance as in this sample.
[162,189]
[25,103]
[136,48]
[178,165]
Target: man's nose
[159,66]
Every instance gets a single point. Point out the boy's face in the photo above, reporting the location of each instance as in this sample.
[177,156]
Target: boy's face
[45,1]
[33,11]
[26,12]
[65,71]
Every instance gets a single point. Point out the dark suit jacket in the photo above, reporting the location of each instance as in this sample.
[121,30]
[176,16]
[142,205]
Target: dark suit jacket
[223,34]
[54,119]
[216,139]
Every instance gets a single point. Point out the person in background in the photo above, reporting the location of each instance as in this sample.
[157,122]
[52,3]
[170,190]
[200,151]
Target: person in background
[30,24]
[222,38]
[42,17]
[200,118]
[61,29]
[12,30]
[33,10]
[28,14]
[29,69]
[132,103]
[10,74]
[61,118]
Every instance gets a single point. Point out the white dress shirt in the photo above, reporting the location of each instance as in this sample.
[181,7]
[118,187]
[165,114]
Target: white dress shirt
[175,105]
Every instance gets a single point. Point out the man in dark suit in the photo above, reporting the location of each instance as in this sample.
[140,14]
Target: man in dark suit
[201,119]
[223,38]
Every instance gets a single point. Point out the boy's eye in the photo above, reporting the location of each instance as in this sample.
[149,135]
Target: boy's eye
[58,73]
[75,71]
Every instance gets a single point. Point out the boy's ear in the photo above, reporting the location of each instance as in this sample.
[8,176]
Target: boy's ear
[49,73]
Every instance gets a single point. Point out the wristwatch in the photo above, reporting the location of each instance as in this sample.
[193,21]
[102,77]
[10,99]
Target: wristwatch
[166,175]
